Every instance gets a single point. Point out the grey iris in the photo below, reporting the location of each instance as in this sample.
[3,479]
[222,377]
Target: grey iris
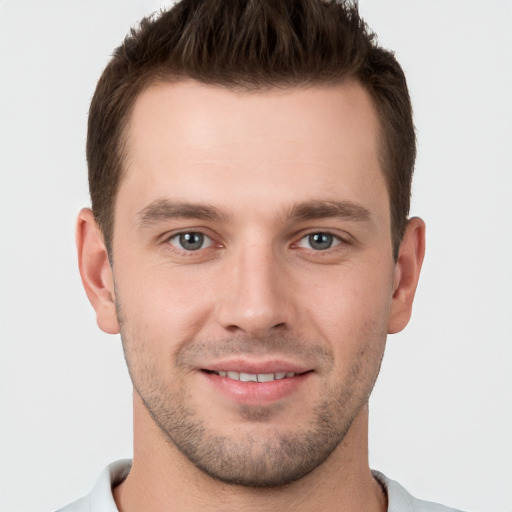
[191,241]
[320,241]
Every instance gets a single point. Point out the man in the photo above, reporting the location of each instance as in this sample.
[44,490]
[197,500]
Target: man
[250,167]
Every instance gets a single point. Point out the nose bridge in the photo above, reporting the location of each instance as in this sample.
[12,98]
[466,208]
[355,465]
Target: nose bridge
[255,300]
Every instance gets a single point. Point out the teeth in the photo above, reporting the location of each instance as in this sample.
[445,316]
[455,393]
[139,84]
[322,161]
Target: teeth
[248,377]
[252,377]
[265,377]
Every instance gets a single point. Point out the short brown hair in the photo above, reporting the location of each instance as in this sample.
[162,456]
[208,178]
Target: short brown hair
[250,44]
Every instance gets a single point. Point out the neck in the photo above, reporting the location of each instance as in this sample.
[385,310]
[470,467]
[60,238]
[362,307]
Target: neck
[163,479]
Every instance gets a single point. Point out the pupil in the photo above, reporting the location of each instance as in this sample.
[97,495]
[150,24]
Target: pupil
[320,241]
[191,241]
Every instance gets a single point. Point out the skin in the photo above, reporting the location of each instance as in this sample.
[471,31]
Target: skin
[256,174]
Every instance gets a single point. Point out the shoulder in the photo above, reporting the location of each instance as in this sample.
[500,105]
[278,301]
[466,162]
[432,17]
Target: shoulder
[399,500]
[101,498]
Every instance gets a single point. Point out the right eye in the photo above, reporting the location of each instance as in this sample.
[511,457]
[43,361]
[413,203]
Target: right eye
[190,241]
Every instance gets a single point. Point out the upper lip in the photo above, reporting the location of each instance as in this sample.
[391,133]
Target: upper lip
[255,367]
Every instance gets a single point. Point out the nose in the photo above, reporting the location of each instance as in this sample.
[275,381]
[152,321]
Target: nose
[257,296]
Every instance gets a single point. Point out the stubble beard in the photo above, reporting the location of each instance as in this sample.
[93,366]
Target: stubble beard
[263,456]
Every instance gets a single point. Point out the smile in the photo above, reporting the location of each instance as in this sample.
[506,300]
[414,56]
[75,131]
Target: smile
[255,377]
[256,386]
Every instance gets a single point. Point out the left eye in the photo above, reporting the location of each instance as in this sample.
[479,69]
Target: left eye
[319,241]
[190,241]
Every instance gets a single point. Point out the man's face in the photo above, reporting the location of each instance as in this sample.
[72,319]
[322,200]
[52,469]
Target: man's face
[253,272]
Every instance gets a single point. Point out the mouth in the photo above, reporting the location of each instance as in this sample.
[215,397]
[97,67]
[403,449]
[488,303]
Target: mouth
[255,377]
[248,381]
[250,385]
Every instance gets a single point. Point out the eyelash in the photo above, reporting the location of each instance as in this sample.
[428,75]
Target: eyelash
[177,237]
[336,241]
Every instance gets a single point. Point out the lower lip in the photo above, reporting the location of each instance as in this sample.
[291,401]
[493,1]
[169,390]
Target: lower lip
[256,393]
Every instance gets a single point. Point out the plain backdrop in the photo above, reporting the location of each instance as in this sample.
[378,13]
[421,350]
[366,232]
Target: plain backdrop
[441,413]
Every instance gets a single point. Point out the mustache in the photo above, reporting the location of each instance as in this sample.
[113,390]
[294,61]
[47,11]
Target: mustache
[295,348]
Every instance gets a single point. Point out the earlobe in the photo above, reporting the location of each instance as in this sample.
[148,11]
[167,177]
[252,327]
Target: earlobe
[95,271]
[407,273]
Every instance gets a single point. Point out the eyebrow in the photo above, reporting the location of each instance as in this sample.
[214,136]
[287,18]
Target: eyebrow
[163,209]
[316,209]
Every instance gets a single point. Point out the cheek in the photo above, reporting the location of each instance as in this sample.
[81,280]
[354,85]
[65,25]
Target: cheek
[351,306]
[159,313]
[163,307]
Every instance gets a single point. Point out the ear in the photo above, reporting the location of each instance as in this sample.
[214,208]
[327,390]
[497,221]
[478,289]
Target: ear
[95,271]
[406,274]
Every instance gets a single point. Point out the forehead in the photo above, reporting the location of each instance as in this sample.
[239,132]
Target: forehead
[211,143]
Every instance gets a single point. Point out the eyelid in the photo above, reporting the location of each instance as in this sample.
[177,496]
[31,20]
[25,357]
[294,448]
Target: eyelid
[338,240]
[208,242]
[167,239]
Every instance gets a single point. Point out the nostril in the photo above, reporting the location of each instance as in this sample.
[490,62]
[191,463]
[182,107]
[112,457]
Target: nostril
[253,319]
[233,328]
